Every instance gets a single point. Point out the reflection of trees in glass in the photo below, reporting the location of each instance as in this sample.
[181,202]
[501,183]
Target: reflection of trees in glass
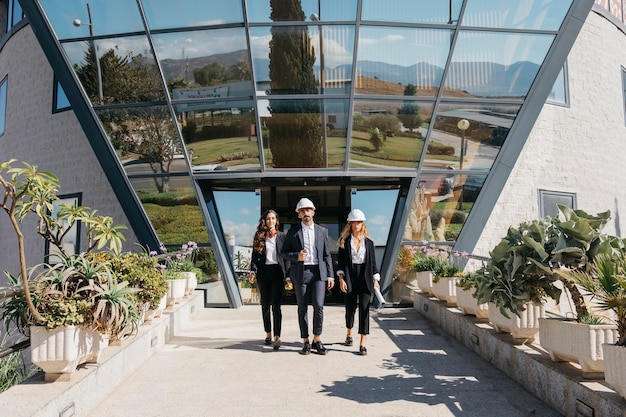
[148,134]
[215,74]
[128,79]
[295,127]
[408,114]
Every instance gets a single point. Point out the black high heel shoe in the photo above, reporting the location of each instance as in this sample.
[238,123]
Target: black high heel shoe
[362,350]
[268,341]
[348,341]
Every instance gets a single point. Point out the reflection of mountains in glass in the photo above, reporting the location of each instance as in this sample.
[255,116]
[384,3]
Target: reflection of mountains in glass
[475,78]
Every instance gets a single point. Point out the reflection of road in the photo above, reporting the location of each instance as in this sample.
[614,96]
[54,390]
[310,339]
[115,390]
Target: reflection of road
[137,168]
[477,155]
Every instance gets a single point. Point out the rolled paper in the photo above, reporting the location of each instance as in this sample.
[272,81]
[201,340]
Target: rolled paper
[379,296]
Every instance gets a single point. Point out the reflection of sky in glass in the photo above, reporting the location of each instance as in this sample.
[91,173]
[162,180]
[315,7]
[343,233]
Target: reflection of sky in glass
[403,46]
[378,207]
[260,11]
[186,13]
[412,11]
[516,14]
[239,213]
[199,43]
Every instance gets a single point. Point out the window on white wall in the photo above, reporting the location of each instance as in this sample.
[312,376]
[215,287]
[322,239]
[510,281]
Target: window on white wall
[624,91]
[3,104]
[548,201]
[559,94]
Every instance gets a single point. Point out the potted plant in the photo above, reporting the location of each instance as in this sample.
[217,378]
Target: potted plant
[183,264]
[466,301]
[73,294]
[423,264]
[607,282]
[446,275]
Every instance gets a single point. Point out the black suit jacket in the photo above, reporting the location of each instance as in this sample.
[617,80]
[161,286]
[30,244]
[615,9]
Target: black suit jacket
[258,266]
[345,263]
[294,243]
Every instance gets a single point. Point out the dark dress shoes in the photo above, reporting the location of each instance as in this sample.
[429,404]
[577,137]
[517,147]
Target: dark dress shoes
[268,341]
[348,341]
[319,348]
[306,349]
[362,350]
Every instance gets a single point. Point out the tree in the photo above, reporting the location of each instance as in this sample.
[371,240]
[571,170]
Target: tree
[409,116]
[295,126]
[410,90]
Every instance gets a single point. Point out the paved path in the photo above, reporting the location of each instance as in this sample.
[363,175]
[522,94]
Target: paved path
[219,367]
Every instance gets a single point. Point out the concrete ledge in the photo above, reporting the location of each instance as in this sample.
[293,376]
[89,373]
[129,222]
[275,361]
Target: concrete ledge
[92,383]
[558,384]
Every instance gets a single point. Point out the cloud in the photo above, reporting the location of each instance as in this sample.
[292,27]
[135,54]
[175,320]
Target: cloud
[378,220]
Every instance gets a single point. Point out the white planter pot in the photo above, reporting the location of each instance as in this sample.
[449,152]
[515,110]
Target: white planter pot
[59,351]
[246,294]
[192,282]
[99,342]
[466,302]
[576,342]
[175,291]
[615,367]
[523,328]
[445,289]
[156,313]
[425,281]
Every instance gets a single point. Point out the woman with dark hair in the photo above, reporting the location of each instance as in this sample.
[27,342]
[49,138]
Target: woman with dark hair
[358,274]
[268,268]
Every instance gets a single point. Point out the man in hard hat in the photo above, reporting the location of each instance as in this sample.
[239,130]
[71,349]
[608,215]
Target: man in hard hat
[311,272]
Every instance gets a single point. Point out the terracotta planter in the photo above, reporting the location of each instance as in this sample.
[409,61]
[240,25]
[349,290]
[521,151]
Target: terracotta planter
[425,281]
[523,328]
[615,367]
[445,289]
[59,351]
[576,342]
[466,302]
[175,291]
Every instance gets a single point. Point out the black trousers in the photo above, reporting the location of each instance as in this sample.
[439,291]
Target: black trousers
[271,290]
[360,297]
[311,288]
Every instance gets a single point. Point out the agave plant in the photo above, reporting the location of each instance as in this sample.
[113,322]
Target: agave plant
[607,282]
[115,310]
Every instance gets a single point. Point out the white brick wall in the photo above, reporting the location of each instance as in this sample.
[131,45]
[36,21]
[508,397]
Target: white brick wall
[53,142]
[580,149]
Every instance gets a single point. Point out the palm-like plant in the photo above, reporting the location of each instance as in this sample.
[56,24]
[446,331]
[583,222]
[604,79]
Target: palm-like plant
[607,282]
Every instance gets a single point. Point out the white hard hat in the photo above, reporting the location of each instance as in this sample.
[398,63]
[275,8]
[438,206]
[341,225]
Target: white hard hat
[304,203]
[356,215]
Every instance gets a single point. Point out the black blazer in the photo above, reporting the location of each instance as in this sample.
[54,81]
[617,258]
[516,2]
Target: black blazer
[258,266]
[294,243]
[344,260]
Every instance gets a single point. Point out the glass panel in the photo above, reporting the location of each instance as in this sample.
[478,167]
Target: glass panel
[95,17]
[325,10]
[162,14]
[61,101]
[391,59]
[174,214]
[412,11]
[125,73]
[15,14]
[550,199]
[239,214]
[558,94]
[487,64]
[220,136]
[206,58]
[515,14]
[293,136]
[388,134]
[441,206]
[3,105]
[286,60]
[378,206]
[468,136]
[145,140]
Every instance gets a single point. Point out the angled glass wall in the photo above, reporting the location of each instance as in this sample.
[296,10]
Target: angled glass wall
[294,92]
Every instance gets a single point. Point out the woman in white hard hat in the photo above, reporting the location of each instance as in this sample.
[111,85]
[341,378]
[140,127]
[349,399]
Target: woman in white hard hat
[358,274]
[268,268]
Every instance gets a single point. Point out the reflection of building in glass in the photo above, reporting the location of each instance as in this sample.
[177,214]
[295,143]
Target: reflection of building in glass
[207,103]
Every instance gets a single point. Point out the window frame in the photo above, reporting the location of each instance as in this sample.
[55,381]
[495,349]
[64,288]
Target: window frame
[543,194]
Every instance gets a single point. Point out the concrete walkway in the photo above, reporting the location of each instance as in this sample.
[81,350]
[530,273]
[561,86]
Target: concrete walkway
[218,366]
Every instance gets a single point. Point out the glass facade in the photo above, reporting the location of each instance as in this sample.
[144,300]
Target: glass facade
[206,101]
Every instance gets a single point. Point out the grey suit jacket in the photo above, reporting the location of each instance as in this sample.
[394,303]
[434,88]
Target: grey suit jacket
[294,243]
